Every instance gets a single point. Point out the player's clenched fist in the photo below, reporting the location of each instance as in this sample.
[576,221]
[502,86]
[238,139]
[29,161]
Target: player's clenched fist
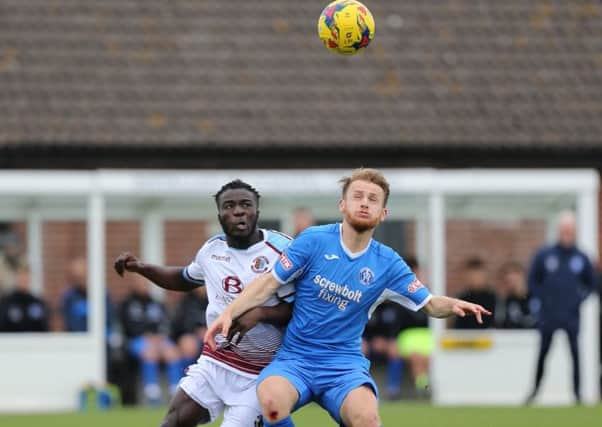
[127,262]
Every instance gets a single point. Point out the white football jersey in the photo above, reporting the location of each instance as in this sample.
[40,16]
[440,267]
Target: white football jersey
[225,271]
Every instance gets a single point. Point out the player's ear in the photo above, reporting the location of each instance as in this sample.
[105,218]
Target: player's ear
[384,214]
[341,205]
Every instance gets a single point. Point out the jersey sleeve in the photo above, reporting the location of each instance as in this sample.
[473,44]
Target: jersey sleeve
[286,292]
[404,288]
[294,258]
[193,273]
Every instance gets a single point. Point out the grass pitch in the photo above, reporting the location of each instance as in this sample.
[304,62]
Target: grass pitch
[393,415]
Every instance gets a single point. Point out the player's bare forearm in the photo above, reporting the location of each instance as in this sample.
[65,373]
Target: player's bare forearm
[170,278]
[442,306]
[278,315]
[254,295]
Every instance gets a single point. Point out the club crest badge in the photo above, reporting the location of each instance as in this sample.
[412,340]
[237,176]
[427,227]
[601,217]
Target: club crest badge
[260,264]
[366,276]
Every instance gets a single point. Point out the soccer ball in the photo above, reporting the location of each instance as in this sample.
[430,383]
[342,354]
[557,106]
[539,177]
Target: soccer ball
[346,27]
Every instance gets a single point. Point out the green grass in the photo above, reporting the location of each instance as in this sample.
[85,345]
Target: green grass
[393,415]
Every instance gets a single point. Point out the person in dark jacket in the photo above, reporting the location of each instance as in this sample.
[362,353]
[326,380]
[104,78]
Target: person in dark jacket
[189,324]
[517,308]
[477,291]
[561,277]
[20,310]
[146,326]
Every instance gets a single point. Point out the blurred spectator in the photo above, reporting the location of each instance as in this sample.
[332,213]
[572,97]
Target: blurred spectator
[145,326]
[74,307]
[302,218]
[561,277]
[415,341]
[516,308]
[10,256]
[189,324]
[477,291]
[75,299]
[380,340]
[20,310]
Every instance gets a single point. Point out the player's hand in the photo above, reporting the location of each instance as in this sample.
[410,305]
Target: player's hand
[244,323]
[464,308]
[127,262]
[220,325]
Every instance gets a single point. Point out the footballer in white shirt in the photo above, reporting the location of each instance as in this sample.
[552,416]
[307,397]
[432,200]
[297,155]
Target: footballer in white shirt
[223,379]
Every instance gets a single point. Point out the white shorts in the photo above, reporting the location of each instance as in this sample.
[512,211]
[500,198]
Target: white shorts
[219,389]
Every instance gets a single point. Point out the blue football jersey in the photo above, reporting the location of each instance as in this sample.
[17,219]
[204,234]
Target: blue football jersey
[337,290]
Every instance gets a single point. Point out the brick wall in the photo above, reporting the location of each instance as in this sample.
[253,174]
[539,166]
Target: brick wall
[495,242]
[62,242]
[182,241]
[121,236]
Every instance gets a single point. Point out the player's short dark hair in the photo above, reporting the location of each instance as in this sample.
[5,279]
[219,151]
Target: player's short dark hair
[236,185]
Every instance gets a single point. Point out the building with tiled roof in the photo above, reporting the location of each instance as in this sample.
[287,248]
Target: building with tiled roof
[117,83]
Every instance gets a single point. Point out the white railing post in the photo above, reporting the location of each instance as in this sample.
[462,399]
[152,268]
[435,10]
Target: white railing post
[97,285]
[437,286]
[587,237]
[152,243]
[34,249]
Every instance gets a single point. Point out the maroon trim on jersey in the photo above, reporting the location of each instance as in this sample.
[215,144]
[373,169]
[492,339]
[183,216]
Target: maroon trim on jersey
[278,251]
[232,359]
[282,234]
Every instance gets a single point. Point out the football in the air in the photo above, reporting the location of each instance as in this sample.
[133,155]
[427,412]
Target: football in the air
[346,27]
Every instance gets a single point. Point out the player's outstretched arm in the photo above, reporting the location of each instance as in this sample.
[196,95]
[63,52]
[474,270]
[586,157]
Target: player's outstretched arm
[170,278]
[442,306]
[255,294]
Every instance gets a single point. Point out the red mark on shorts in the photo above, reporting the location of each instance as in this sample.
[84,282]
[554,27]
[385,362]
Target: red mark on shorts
[273,415]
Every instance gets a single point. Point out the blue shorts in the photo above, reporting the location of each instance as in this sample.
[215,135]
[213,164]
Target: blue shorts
[327,386]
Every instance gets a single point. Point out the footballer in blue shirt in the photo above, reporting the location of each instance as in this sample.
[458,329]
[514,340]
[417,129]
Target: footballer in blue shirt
[341,275]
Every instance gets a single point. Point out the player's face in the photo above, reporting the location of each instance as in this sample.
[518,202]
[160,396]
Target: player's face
[363,205]
[238,212]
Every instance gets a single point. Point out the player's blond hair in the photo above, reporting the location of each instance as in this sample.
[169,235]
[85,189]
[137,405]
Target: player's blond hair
[366,174]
